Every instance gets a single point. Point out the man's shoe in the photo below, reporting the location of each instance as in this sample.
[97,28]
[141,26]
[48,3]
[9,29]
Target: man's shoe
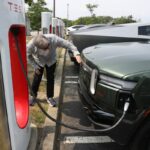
[32,102]
[51,101]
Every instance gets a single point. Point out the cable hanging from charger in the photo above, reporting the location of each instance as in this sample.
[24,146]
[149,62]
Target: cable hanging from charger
[126,105]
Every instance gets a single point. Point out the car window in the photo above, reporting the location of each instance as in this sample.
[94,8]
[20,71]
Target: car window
[76,27]
[144,30]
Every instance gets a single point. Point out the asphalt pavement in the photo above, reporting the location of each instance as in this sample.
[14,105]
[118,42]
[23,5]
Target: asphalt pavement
[70,111]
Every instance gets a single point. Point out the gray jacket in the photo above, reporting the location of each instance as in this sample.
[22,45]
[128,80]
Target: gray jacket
[38,57]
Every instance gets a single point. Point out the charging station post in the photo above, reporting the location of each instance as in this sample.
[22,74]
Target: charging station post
[15,122]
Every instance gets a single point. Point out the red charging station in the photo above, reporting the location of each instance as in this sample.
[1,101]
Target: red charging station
[14,95]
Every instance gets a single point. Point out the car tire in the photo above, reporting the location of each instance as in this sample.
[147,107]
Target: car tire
[142,138]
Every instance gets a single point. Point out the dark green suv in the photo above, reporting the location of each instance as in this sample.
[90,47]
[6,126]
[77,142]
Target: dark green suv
[112,75]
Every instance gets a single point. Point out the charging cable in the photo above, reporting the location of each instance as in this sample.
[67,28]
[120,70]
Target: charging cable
[126,105]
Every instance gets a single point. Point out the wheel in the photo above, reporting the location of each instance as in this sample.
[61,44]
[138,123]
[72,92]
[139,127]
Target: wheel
[142,138]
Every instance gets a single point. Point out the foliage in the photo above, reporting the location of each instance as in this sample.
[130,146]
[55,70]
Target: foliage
[29,2]
[93,20]
[122,20]
[100,20]
[34,14]
[91,8]
[67,22]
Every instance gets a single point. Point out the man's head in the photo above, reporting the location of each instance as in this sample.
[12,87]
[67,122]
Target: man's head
[41,42]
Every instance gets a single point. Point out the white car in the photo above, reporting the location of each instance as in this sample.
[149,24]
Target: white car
[73,28]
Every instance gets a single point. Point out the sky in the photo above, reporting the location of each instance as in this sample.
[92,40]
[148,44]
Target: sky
[139,9]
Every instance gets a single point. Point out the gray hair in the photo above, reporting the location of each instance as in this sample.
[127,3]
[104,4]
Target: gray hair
[41,41]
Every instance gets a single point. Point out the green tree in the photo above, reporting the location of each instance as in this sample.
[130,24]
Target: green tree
[93,20]
[29,2]
[34,14]
[100,20]
[121,20]
[91,8]
[103,20]
[67,22]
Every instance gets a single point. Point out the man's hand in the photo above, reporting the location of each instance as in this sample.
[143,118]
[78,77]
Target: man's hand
[78,58]
[37,71]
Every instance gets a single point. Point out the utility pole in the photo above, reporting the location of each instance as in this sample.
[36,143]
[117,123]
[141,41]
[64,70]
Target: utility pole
[54,8]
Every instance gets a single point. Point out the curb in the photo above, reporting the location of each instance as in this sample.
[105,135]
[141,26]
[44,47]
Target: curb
[33,137]
[49,126]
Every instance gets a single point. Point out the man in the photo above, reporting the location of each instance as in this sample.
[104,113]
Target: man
[41,53]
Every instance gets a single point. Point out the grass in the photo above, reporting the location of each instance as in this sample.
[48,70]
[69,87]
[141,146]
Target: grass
[37,117]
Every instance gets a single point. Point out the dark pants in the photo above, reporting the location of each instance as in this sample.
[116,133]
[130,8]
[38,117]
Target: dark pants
[50,71]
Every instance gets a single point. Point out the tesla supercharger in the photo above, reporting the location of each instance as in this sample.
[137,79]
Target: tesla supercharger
[62,29]
[15,128]
[58,27]
[54,24]
[46,22]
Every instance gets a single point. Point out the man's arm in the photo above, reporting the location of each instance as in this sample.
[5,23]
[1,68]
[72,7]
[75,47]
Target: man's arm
[30,52]
[68,45]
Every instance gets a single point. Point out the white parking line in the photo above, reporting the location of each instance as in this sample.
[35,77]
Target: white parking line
[87,139]
[71,77]
[71,82]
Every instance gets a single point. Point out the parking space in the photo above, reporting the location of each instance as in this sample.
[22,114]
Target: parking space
[71,112]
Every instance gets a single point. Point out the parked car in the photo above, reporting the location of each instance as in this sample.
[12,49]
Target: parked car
[107,33]
[110,75]
[91,26]
[73,28]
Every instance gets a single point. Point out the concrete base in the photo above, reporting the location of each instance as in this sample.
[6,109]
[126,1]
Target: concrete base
[33,138]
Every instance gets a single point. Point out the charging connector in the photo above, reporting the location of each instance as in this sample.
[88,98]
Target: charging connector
[126,106]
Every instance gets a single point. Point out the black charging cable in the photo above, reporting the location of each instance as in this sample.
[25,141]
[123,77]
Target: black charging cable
[126,105]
